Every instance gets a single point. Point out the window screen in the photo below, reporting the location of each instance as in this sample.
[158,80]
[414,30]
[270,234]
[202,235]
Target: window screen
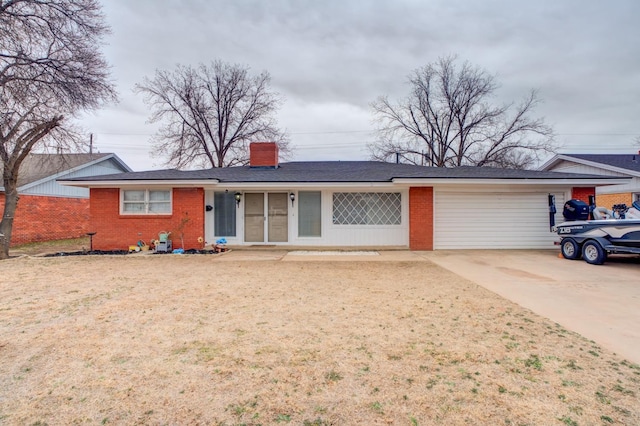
[367,208]
[309,208]
[224,204]
[141,201]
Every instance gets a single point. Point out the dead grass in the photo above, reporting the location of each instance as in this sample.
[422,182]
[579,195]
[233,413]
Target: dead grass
[191,340]
[46,247]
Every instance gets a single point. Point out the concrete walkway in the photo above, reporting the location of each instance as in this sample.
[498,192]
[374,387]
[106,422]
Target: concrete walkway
[326,255]
[602,303]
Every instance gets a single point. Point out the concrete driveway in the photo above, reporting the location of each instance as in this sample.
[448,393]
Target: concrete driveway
[601,303]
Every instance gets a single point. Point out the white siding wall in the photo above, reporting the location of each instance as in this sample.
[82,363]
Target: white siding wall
[486,217]
[571,167]
[51,188]
[355,235]
[332,235]
[495,220]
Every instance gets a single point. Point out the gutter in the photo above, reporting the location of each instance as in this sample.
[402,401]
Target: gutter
[513,181]
[145,183]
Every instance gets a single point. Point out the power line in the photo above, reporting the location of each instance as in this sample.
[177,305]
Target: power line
[338,132]
[598,134]
[333,132]
[290,133]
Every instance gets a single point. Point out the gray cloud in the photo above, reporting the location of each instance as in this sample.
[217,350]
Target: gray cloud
[330,59]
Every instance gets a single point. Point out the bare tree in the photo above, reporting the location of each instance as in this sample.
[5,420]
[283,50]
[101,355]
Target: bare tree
[50,69]
[448,121]
[211,113]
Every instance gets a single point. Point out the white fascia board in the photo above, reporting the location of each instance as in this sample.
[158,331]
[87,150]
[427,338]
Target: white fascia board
[467,182]
[589,163]
[555,159]
[120,162]
[138,183]
[214,183]
[111,156]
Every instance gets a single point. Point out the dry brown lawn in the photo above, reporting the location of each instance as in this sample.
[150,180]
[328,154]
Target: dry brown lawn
[194,340]
[47,247]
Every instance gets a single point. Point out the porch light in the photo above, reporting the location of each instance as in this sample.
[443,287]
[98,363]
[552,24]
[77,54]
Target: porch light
[292,197]
[238,197]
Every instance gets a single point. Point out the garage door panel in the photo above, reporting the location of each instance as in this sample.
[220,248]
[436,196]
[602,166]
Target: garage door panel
[493,220]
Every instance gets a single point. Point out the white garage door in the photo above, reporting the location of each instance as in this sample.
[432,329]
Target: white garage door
[494,220]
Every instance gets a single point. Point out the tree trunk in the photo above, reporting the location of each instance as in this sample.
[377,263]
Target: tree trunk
[6,225]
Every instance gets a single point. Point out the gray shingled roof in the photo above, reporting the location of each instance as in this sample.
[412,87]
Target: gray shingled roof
[621,161]
[333,171]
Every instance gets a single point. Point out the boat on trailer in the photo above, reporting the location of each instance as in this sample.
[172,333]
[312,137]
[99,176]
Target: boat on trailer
[593,240]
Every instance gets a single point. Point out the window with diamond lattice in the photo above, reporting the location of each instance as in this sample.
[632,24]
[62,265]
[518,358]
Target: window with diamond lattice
[366,208]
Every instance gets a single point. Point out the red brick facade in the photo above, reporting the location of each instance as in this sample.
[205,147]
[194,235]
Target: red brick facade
[263,154]
[117,232]
[582,194]
[40,218]
[421,218]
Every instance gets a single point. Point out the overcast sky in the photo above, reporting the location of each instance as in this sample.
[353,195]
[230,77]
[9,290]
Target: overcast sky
[330,59]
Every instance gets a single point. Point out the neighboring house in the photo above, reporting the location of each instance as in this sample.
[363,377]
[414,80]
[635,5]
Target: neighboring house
[47,210]
[621,165]
[332,204]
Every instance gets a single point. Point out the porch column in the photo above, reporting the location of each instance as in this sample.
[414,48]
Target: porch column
[421,218]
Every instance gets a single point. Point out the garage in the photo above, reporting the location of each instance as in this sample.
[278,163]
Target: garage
[496,220]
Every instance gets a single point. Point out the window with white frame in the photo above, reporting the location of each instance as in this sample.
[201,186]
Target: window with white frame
[367,208]
[145,201]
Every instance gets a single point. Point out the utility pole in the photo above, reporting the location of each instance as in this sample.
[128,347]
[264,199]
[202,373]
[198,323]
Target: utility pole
[90,143]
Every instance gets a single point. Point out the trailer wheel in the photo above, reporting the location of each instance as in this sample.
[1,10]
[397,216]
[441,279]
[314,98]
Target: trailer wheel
[593,253]
[570,249]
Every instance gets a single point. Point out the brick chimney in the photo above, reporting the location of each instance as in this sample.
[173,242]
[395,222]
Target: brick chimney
[263,154]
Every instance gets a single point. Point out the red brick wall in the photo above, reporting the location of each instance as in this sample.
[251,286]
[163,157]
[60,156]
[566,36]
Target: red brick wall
[582,194]
[263,154]
[421,218]
[118,232]
[40,218]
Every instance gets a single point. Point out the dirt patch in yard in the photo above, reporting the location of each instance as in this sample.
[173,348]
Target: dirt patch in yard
[194,340]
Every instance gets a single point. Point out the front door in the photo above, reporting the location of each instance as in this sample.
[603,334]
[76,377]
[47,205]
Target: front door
[272,222]
[254,217]
[278,219]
